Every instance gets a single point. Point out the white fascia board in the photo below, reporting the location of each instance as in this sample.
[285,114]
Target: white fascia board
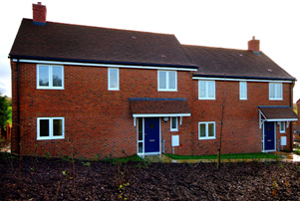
[273,120]
[162,115]
[262,114]
[102,65]
[241,80]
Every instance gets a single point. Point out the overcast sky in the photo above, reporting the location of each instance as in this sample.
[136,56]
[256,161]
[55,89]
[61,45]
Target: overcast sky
[227,24]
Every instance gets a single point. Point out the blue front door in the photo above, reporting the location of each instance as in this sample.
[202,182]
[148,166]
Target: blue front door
[152,135]
[269,138]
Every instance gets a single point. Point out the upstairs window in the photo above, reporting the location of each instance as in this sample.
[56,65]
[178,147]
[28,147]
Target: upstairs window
[207,90]
[243,90]
[167,80]
[113,79]
[275,91]
[174,124]
[49,128]
[50,77]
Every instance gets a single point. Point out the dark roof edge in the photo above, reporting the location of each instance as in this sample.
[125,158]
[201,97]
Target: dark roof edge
[245,77]
[157,99]
[274,106]
[102,62]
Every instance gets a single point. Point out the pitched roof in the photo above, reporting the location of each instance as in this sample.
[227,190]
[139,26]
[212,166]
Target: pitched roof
[278,112]
[66,42]
[159,106]
[231,63]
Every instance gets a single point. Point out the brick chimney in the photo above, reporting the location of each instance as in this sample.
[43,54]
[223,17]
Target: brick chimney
[253,45]
[39,14]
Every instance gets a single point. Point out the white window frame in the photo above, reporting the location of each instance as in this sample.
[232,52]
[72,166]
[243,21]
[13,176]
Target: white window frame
[206,123]
[243,86]
[176,124]
[167,81]
[118,79]
[50,73]
[207,90]
[275,91]
[282,127]
[51,137]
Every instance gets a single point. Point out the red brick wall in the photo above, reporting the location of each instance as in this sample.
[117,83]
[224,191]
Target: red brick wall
[241,133]
[97,121]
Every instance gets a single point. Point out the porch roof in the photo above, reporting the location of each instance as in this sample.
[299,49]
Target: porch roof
[278,113]
[159,107]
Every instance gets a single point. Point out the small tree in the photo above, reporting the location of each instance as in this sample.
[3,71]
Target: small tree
[4,113]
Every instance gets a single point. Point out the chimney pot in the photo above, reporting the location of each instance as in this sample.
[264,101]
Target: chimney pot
[39,14]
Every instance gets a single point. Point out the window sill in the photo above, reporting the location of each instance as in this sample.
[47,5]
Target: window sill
[50,138]
[206,98]
[207,138]
[55,88]
[275,99]
[167,90]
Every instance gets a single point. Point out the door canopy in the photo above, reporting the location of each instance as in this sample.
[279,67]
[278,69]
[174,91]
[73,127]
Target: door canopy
[276,114]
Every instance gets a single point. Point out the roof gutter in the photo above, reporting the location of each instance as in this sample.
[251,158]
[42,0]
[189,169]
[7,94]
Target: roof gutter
[26,58]
[242,78]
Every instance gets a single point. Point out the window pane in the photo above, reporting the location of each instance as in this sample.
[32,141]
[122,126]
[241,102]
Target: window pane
[162,80]
[172,80]
[211,130]
[279,91]
[202,130]
[113,78]
[282,126]
[243,90]
[57,127]
[272,90]
[140,127]
[202,89]
[140,144]
[44,128]
[211,89]
[57,76]
[43,76]
[174,122]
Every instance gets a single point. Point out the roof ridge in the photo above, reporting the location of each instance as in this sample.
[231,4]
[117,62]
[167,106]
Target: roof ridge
[108,28]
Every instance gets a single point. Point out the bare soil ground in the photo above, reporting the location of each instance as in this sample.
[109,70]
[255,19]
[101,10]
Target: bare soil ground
[57,179]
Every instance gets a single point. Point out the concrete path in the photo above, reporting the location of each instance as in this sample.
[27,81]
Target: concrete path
[286,157]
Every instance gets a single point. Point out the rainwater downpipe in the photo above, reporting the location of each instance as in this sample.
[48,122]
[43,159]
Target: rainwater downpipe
[291,123]
[18,107]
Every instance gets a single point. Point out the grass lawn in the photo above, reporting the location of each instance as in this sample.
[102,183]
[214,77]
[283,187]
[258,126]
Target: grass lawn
[227,156]
[297,151]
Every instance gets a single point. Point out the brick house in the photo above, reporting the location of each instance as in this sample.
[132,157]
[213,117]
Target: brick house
[108,92]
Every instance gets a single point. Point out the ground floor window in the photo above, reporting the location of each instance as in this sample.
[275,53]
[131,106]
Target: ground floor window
[50,128]
[207,130]
[282,127]
[174,124]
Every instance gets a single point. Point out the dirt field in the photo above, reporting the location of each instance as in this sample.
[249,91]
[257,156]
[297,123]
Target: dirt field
[57,179]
